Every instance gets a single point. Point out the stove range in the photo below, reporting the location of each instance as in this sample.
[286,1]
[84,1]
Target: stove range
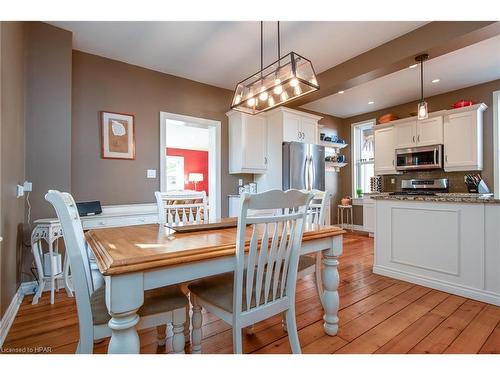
[422,187]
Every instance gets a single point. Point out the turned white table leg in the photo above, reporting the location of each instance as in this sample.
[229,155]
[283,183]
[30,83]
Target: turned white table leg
[330,298]
[196,333]
[124,296]
[178,322]
[124,337]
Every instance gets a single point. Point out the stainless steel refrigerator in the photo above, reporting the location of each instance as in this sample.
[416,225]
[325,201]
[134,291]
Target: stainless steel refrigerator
[303,166]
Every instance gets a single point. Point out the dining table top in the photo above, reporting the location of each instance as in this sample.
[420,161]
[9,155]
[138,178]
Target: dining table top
[137,248]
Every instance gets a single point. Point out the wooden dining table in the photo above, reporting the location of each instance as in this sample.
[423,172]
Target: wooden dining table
[138,258]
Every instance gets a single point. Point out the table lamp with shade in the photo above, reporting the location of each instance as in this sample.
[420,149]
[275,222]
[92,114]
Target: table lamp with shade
[195,178]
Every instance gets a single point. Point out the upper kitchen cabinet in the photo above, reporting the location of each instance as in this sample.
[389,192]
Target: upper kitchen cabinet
[284,125]
[385,155]
[299,126]
[414,133]
[247,143]
[463,139]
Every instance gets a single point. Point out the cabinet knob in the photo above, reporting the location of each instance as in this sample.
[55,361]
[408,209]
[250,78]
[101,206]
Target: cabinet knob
[265,160]
[418,138]
[413,139]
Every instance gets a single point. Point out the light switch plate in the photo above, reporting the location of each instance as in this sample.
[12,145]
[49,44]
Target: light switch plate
[151,173]
[19,191]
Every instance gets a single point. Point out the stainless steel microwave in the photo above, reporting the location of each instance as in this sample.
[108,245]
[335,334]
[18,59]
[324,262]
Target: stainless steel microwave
[415,158]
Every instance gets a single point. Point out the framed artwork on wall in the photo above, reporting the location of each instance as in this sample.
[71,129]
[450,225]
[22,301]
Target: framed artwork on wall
[117,136]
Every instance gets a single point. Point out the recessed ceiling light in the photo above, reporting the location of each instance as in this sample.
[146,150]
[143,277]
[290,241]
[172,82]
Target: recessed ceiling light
[413,66]
[341,92]
[371,102]
[436,80]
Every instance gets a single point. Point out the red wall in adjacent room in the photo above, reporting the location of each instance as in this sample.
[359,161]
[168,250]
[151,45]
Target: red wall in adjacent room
[194,162]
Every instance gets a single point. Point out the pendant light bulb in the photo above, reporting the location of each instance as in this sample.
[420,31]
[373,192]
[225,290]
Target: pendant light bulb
[297,90]
[284,96]
[251,102]
[263,95]
[270,101]
[278,90]
[422,112]
[294,82]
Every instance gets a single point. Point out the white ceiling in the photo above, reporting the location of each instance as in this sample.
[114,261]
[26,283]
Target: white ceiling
[468,66]
[224,53]
[181,134]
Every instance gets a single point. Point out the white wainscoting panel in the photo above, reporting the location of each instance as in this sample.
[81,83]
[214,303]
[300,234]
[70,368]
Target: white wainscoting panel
[427,238]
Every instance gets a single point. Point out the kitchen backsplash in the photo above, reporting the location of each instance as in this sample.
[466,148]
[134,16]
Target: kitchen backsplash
[456,179]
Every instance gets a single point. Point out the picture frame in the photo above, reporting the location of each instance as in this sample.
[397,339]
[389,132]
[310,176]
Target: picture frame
[117,135]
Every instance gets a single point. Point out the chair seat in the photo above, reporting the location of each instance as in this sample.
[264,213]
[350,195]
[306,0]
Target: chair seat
[306,261]
[218,290]
[155,301]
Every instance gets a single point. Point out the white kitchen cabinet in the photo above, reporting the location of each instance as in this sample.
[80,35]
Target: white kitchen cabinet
[284,125]
[234,206]
[385,153]
[247,143]
[463,139]
[405,134]
[415,133]
[299,128]
[430,131]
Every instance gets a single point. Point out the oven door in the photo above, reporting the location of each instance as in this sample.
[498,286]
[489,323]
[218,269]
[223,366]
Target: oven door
[418,158]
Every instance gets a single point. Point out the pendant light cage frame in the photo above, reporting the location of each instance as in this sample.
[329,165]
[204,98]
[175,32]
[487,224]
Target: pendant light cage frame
[287,78]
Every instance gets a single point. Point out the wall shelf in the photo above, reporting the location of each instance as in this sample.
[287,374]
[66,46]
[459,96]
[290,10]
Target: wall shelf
[334,145]
[333,166]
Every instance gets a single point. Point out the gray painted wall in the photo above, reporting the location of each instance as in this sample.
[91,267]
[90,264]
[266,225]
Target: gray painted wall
[11,156]
[103,84]
[48,114]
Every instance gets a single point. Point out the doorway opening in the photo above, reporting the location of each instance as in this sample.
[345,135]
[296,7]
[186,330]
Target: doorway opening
[190,157]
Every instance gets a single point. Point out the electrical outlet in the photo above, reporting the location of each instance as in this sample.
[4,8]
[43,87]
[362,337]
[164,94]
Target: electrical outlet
[393,181]
[240,182]
[28,186]
[151,173]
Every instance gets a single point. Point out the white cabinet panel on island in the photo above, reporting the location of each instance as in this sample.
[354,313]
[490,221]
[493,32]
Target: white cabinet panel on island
[454,247]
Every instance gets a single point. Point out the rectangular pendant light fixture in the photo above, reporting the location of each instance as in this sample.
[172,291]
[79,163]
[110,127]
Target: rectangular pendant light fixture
[283,80]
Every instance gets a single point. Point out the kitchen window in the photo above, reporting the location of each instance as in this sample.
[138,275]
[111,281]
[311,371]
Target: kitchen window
[363,156]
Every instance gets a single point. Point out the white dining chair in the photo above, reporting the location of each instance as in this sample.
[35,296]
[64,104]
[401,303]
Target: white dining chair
[316,214]
[264,280]
[161,306]
[186,207]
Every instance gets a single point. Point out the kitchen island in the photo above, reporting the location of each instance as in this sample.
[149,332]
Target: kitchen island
[449,242]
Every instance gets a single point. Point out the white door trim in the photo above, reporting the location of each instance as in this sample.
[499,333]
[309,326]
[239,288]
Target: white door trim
[496,143]
[214,157]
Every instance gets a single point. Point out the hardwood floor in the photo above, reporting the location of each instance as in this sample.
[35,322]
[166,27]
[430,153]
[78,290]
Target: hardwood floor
[377,315]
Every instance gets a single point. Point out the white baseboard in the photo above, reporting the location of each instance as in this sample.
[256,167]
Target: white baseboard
[356,227]
[10,315]
[467,292]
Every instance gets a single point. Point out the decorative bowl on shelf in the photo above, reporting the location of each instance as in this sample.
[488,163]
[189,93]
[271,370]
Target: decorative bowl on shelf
[388,117]
[346,201]
[463,103]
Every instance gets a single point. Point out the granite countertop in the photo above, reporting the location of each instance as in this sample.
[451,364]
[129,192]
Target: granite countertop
[440,197]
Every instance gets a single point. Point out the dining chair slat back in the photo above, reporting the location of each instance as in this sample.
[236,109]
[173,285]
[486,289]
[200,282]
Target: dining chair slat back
[186,207]
[268,273]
